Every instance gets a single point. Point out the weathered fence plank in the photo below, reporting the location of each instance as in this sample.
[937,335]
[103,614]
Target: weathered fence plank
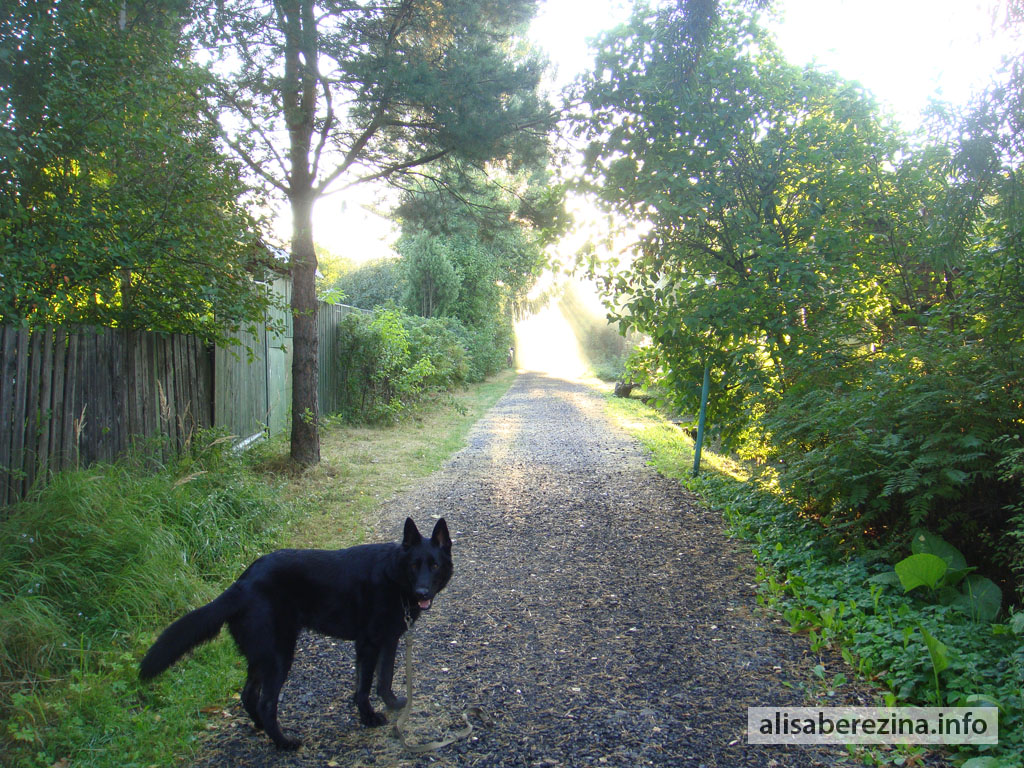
[58,412]
[8,368]
[46,404]
[20,396]
[69,429]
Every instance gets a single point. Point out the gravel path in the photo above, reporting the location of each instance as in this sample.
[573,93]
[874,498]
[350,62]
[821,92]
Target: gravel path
[597,613]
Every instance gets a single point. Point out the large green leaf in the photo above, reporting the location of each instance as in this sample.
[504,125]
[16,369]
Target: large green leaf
[926,542]
[985,761]
[1017,623]
[981,599]
[937,650]
[886,577]
[920,570]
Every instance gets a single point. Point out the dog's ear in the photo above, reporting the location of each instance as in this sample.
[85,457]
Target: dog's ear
[412,534]
[440,537]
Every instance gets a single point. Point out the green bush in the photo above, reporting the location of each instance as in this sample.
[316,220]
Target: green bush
[487,345]
[906,440]
[391,359]
[373,284]
[1011,472]
[374,362]
[439,340]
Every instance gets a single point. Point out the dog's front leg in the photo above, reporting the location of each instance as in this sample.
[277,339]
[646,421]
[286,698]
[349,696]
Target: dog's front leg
[386,674]
[366,663]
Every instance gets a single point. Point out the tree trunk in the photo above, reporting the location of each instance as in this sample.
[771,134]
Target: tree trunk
[298,22]
[305,439]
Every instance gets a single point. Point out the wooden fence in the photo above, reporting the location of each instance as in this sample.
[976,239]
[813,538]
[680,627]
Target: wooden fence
[68,399]
[253,377]
[329,385]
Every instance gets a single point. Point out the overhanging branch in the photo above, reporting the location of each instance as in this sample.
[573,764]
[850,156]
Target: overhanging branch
[399,167]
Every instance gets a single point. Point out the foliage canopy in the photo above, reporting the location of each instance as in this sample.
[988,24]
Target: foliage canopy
[116,205]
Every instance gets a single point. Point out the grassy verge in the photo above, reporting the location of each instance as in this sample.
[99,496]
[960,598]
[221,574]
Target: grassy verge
[832,593]
[361,467]
[93,566]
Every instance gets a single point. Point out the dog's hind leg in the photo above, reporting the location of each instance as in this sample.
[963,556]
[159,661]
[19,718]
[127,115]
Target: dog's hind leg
[249,629]
[273,678]
[251,696]
[266,635]
[270,659]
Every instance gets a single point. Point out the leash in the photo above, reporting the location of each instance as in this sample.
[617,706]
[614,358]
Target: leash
[430,746]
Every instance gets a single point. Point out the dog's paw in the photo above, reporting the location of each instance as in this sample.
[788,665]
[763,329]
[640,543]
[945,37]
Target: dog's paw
[287,744]
[372,719]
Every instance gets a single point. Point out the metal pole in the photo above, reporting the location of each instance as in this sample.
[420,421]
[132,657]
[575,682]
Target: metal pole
[702,417]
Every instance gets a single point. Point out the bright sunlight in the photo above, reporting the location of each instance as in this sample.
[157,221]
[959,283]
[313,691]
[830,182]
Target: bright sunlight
[566,333]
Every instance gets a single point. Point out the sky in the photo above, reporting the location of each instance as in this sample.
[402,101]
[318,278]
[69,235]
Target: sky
[904,51]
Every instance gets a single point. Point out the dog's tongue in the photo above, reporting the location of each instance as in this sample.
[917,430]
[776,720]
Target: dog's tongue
[425,604]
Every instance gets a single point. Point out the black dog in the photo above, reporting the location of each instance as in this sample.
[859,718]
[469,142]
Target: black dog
[370,594]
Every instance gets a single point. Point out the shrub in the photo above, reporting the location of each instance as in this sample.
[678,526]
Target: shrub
[374,357]
[390,359]
[373,284]
[487,346]
[1011,472]
[907,440]
[439,340]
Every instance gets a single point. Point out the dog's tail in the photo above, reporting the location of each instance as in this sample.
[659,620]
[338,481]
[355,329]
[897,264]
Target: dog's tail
[192,629]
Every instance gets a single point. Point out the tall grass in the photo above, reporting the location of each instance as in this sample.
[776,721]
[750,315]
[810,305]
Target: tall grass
[90,568]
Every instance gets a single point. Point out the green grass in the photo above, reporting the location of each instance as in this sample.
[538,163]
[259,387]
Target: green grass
[822,587]
[90,567]
[94,565]
[363,466]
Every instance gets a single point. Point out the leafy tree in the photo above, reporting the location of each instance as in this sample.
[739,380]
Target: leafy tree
[755,183]
[373,284]
[492,228]
[916,433]
[116,206]
[364,92]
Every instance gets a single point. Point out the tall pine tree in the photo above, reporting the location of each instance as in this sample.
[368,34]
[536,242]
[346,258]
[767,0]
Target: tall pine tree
[328,94]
